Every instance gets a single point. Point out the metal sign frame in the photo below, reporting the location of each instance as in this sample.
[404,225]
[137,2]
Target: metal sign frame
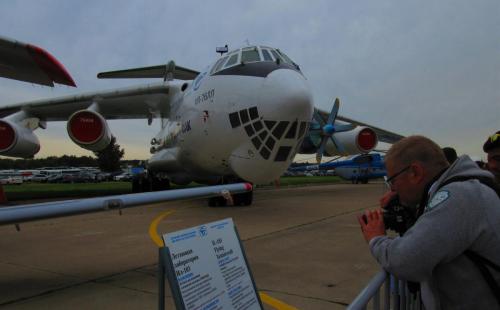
[166,268]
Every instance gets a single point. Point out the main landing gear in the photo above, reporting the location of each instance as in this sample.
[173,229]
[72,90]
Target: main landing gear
[146,182]
[242,199]
[149,183]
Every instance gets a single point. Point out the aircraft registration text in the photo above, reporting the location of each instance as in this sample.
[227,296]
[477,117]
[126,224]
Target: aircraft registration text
[205,96]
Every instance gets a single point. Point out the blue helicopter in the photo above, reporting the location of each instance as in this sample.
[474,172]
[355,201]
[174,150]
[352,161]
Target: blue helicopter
[357,169]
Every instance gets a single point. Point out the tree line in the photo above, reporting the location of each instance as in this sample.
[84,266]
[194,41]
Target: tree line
[107,160]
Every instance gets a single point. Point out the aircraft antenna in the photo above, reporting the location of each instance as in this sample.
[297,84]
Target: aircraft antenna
[222,49]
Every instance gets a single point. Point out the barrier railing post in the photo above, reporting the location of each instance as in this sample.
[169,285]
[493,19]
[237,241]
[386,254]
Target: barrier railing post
[395,292]
[387,292]
[161,278]
[402,294]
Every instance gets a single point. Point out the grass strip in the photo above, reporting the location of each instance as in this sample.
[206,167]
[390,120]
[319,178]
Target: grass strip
[29,191]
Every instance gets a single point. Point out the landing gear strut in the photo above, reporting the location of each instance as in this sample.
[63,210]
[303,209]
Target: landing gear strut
[241,199]
[150,182]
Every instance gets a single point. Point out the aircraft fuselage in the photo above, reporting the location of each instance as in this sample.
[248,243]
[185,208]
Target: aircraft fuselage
[246,122]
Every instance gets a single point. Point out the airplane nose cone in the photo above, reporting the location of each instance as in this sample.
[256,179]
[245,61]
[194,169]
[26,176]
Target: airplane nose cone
[285,109]
[286,93]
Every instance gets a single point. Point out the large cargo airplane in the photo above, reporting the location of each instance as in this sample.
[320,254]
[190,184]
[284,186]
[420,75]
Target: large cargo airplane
[243,118]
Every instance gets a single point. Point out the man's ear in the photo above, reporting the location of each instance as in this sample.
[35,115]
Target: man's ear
[416,174]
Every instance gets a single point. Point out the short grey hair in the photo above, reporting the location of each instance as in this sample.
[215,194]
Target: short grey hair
[417,148]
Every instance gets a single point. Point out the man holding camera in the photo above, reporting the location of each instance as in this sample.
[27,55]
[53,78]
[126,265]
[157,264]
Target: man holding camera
[456,230]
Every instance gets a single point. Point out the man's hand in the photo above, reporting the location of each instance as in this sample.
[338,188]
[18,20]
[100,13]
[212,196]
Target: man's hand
[386,198]
[374,225]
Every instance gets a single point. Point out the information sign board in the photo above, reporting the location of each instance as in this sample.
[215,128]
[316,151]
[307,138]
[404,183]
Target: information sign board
[208,269]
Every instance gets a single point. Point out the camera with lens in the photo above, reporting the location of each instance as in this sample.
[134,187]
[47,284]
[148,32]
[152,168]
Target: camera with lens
[398,217]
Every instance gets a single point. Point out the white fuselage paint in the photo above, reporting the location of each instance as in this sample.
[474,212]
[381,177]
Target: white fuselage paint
[198,143]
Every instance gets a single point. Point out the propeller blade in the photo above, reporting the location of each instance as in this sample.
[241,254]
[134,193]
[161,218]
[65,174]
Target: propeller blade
[318,118]
[321,149]
[335,110]
[338,145]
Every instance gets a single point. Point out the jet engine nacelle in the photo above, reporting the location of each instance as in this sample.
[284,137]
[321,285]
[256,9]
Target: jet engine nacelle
[359,140]
[89,130]
[17,141]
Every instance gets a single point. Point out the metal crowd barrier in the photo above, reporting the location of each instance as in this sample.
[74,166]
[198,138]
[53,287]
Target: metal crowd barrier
[396,295]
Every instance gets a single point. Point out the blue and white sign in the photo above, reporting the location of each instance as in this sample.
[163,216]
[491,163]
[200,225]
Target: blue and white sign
[210,268]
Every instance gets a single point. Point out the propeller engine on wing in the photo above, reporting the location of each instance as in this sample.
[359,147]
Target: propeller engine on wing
[329,129]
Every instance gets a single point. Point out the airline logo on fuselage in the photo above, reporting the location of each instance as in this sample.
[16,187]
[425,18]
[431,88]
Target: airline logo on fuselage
[197,81]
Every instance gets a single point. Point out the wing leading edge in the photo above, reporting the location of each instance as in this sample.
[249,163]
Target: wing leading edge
[382,134]
[30,63]
[123,103]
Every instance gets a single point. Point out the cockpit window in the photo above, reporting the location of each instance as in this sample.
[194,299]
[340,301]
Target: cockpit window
[267,55]
[233,59]
[285,57]
[277,56]
[218,64]
[250,55]
[253,54]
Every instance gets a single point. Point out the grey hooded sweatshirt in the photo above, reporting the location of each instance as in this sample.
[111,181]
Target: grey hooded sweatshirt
[459,216]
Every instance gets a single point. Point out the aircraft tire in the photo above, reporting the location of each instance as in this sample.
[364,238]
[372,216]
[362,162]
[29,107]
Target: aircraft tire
[218,201]
[159,184]
[140,184]
[243,199]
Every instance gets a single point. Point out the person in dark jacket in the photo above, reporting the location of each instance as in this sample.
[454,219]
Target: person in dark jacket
[450,154]
[455,217]
[492,148]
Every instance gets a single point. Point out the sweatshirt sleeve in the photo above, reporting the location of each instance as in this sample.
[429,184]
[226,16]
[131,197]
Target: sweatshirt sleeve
[447,228]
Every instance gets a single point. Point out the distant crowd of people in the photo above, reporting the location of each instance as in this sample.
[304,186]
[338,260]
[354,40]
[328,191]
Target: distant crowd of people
[450,251]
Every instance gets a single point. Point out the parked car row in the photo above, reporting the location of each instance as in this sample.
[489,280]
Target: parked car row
[123,177]
[17,180]
[70,175]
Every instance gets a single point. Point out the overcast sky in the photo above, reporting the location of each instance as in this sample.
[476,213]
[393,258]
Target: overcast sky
[412,67]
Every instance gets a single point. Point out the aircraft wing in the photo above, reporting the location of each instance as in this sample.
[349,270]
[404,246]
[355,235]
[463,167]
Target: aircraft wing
[30,63]
[125,103]
[382,134]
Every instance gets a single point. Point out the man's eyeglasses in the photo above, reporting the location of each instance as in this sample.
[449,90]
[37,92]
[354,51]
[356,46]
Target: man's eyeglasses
[389,181]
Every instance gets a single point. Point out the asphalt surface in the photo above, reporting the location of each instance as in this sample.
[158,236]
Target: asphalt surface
[303,244]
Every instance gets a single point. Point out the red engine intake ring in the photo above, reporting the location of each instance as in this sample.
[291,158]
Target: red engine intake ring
[86,127]
[7,136]
[367,139]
